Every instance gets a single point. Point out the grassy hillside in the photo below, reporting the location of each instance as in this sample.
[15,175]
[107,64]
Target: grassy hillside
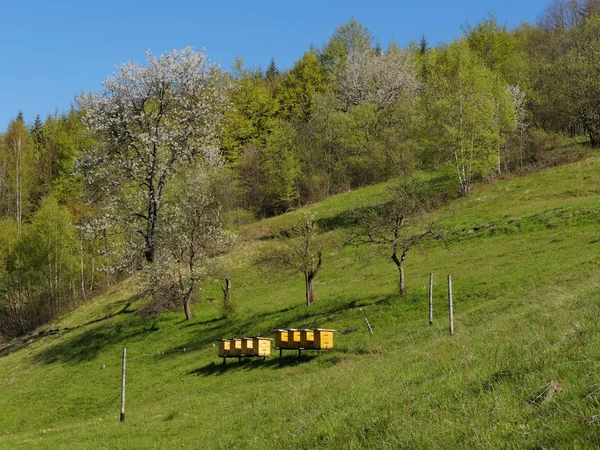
[520,372]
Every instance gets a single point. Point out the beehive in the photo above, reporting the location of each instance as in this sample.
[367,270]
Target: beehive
[224,347]
[323,338]
[236,347]
[294,338]
[281,338]
[262,346]
[248,346]
[307,339]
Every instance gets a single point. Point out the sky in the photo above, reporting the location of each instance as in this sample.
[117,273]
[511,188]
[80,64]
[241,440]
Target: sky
[53,51]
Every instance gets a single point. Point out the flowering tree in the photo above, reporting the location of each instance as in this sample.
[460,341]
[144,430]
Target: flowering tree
[377,78]
[191,237]
[150,121]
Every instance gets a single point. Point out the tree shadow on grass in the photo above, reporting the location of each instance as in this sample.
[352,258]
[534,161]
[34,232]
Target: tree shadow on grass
[262,324]
[246,364]
[24,341]
[87,345]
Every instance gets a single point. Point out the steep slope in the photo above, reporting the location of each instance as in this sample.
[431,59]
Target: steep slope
[521,370]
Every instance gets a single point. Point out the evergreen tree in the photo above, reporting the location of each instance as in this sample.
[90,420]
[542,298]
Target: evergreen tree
[272,71]
[423,44]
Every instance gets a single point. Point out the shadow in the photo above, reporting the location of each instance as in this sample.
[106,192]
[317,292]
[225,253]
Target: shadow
[22,342]
[346,219]
[204,322]
[252,364]
[298,316]
[87,345]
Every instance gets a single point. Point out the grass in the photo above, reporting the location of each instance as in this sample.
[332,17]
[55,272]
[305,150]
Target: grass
[520,372]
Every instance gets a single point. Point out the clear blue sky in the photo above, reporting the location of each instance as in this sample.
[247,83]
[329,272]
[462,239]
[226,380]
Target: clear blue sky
[52,51]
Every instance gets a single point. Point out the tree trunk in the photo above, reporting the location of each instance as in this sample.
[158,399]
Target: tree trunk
[150,235]
[593,139]
[401,289]
[400,264]
[149,250]
[310,288]
[187,305]
[227,309]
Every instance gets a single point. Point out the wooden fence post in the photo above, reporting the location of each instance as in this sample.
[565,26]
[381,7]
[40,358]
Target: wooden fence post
[226,297]
[123,386]
[369,325]
[430,299]
[450,305]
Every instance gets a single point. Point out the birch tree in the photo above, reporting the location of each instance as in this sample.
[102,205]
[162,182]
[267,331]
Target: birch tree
[17,158]
[463,104]
[150,121]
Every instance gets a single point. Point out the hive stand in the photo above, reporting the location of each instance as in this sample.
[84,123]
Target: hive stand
[293,339]
[257,347]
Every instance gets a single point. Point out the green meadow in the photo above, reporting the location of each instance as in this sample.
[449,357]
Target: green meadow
[521,371]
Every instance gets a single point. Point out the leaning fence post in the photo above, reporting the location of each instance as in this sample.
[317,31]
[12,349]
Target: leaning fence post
[123,386]
[430,299]
[451,313]
[369,325]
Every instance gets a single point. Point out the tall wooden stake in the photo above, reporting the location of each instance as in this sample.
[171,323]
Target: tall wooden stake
[450,305]
[430,299]
[226,297]
[123,386]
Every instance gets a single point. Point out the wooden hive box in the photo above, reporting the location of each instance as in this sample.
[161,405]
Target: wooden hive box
[294,338]
[248,346]
[307,339]
[323,338]
[262,346]
[225,347]
[281,338]
[236,347]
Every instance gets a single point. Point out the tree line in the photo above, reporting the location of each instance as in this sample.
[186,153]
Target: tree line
[149,173]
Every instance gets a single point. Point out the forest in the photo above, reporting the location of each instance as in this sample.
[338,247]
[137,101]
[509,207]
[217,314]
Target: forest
[154,173]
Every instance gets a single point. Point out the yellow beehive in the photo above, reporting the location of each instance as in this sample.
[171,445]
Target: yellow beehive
[248,346]
[307,339]
[294,338]
[262,346]
[236,347]
[281,338]
[224,347]
[323,338]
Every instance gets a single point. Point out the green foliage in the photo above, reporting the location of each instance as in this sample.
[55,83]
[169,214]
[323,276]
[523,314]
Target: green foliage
[282,166]
[499,50]
[465,106]
[575,84]
[299,86]
[48,250]
[252,117]
[351,37]
[40,266]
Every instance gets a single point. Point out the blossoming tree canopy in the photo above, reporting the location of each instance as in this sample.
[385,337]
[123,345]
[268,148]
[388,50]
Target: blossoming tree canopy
[150,121]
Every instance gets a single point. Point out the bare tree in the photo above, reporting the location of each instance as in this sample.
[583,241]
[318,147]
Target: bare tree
[301,253]
[392,227]
[150,121]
